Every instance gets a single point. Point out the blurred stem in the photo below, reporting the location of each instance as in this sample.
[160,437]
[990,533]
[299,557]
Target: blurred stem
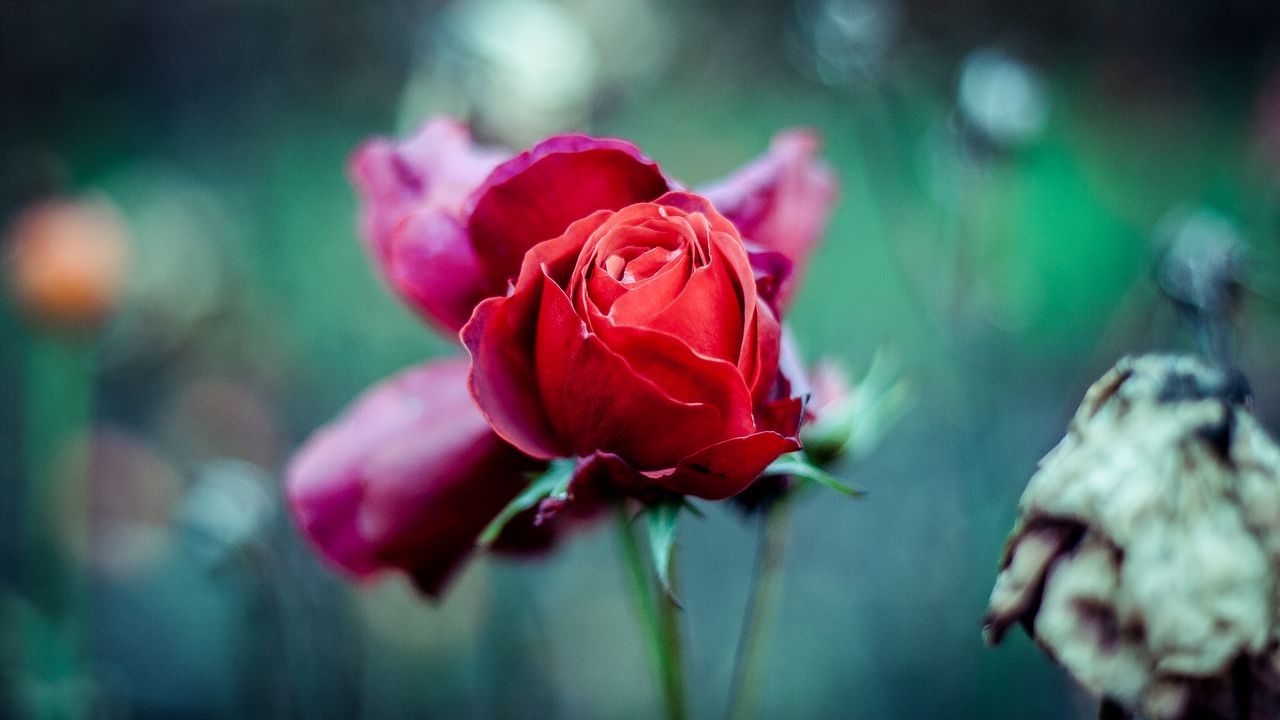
[1213,337]
[58,407]
[659,618]
[745,687]
[514,651]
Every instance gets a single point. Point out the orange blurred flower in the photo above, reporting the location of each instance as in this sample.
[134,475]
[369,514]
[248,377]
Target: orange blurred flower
[67,261]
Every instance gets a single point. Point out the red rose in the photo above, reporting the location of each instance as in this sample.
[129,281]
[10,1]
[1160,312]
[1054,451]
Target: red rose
[638,334]
[641,334]
[407,478]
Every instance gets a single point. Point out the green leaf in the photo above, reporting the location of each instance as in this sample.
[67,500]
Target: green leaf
[552,483]
[662,520]
[798,466]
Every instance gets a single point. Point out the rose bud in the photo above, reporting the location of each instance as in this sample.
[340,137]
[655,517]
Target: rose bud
[407,478]
[68,260]
[638,334]
[850,420]
[781,201]
[1146,554]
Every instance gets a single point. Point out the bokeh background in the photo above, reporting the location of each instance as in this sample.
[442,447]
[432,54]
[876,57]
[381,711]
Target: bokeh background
[1010,172]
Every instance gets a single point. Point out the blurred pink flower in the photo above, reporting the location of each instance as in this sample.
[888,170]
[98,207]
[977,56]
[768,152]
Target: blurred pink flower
[408,477]
[412,216]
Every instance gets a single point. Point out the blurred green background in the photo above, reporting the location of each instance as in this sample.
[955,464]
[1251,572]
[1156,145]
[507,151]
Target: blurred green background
[1010,173]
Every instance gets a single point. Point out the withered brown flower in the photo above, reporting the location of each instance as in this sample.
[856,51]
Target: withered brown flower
[1147,549]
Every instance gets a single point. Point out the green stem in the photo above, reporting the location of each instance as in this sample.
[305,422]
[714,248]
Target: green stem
[673,667]
[56,444]
[745,687]
[659,618]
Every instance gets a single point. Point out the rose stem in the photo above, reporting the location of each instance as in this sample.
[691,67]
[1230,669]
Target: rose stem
[745,686]
[662,633]
[674,666]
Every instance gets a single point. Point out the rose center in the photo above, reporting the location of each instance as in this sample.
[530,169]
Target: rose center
[614,266]
[633,265]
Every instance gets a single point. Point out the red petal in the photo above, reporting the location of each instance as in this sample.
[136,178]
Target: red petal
[781,416]
[693,203]
[598,402]
[758,360]
[780,201]
[502,336]
[429,495]
[773,272]
[707,314]
[727,468]
[793,377]
[640,302]
[536,195]
[767,348]
[670,364]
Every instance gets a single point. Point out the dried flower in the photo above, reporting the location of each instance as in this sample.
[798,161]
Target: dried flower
[1146,553]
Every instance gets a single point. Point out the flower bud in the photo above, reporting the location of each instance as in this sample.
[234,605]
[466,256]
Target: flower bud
[1147,549]
[851,419]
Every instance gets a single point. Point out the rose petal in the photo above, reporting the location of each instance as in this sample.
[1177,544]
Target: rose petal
[651,235]
[501,337]
[768,332]
[707,314]
[407,477]
[716,300]
[694,203]
[684,375]
[536,195]
[597,401]
[762,333]
[782,200]
[432,265]
[793,377]
[429,176]
[640,302]
[645,265]
[428,528]
[773,272]
[782,416]
[727,468]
